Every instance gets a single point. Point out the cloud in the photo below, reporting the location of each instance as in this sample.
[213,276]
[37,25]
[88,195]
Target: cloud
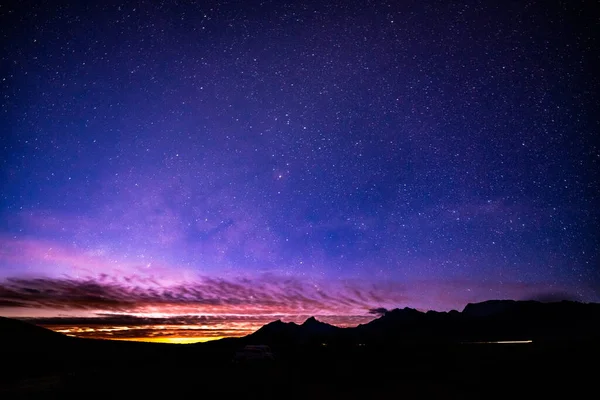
[208,295]
[260,295]
[378,311]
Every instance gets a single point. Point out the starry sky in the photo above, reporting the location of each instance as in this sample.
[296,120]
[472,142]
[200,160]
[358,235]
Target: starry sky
[182,171]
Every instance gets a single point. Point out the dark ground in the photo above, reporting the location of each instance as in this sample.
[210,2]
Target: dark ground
[88,368]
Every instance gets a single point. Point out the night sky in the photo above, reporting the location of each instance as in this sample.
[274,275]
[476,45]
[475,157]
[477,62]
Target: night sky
[178,171]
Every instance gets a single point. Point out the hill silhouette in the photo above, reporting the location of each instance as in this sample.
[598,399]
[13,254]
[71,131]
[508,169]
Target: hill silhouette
[404,352]
[16,334]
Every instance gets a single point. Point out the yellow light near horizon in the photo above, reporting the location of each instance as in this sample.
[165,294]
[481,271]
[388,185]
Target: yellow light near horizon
[172,340]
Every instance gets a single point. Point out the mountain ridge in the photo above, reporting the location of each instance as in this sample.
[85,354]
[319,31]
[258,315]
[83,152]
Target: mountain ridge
[485,321]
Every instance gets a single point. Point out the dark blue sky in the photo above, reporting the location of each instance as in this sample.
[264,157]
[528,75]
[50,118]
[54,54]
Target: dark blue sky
[448,150]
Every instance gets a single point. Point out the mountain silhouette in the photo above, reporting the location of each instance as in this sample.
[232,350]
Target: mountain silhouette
[418,354]
[495,320]
[316,327]
[278,332]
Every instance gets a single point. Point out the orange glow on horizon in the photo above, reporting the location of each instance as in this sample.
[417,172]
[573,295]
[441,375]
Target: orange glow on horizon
[172,340]
[186,329]
[153,333]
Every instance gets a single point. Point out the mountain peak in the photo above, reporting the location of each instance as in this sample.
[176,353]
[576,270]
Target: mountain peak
[313,325]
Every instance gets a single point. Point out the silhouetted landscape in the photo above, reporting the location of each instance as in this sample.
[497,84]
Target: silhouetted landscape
[490,349]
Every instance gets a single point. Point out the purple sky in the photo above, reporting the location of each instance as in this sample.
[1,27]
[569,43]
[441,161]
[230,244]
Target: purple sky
[247,160]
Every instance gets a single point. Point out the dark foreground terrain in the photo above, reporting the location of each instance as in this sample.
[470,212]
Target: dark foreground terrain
[131,370]
[403,354]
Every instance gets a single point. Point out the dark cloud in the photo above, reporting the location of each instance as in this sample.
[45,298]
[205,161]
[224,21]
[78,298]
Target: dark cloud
[11,304]
[133,320]
[378,311]
[64,294]
[259,296]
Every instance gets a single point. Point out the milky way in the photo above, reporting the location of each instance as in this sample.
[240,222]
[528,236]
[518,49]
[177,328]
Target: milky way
[240,161]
